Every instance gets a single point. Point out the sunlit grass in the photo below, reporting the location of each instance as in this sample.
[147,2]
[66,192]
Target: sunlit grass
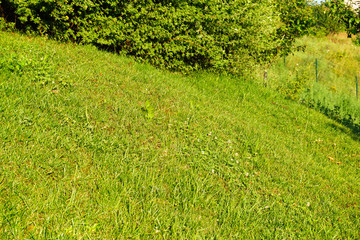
[96,146]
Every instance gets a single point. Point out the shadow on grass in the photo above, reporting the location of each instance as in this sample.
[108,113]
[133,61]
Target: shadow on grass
[346,121]
[345,125]
[353,133]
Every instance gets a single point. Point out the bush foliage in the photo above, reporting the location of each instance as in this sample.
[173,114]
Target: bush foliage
[296,19]
[186,35]
[349,16]
[325,22]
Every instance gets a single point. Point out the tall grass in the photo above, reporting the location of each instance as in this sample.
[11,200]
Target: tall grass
[338,63]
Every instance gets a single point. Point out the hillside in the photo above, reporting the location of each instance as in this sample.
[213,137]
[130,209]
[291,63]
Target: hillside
[96,146]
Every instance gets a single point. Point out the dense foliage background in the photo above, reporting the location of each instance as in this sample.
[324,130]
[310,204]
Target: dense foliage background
[324,21]
[187,35]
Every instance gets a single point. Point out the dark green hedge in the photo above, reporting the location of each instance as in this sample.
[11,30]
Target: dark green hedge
[186,35]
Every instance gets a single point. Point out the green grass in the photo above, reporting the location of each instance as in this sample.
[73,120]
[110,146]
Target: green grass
[96,146]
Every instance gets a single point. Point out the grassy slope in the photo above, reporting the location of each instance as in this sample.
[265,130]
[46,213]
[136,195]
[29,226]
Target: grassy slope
[93,145]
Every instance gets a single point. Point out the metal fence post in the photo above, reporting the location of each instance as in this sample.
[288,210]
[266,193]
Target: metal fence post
[284,61]
[316,69]
[265,78]
[357,87]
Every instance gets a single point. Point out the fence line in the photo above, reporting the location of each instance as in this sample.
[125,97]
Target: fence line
[356,78]
[317,75]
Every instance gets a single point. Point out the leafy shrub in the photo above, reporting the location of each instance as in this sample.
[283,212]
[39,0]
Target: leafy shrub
[183,35]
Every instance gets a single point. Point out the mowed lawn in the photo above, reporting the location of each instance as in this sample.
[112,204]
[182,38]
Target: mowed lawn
[96,146]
